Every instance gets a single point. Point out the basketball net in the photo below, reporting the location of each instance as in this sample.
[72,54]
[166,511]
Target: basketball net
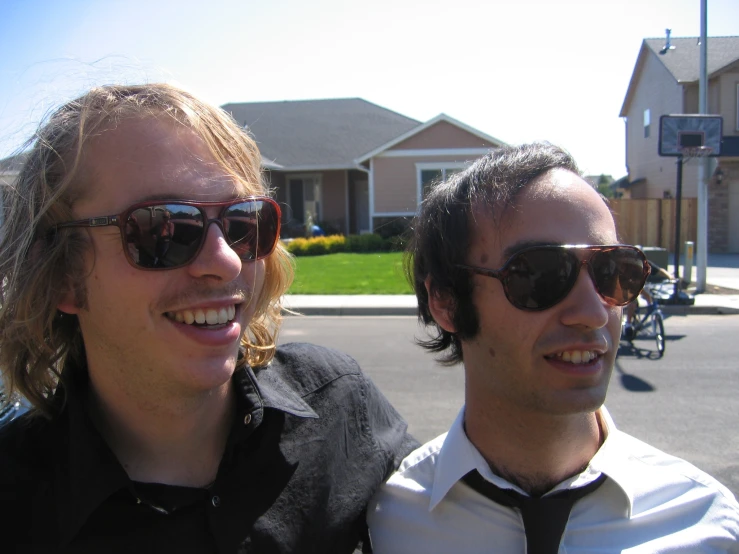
[689,152]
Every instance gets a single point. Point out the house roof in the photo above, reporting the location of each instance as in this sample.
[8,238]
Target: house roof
[12,164]
[683,60]
[318,134]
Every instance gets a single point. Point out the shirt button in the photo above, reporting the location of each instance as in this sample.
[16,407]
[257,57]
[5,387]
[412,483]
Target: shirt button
[216,501]
[247,419]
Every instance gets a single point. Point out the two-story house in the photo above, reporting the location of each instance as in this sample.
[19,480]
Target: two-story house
[665,81]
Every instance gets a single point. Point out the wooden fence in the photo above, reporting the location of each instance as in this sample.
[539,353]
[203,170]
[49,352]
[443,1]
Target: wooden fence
[651,221]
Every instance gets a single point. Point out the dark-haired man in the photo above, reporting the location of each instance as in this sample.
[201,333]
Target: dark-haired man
[141,279]
[519,273]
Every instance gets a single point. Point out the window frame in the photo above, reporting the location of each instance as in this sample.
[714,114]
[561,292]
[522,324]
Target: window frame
[435,166]
[647,120]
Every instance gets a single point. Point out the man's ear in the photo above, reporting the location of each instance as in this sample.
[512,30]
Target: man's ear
[69,304]
[441,306]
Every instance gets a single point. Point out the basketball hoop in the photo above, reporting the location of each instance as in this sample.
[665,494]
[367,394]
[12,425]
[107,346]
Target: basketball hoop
[690,136]
[688,152]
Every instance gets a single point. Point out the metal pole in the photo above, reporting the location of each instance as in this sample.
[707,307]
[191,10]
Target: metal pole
[678,205]
[704,164]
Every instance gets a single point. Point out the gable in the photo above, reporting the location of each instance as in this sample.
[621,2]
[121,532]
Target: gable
[442,135]
[682,62]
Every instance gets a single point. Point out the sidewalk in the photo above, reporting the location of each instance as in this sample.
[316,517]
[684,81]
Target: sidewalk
[359,305]
[722,276]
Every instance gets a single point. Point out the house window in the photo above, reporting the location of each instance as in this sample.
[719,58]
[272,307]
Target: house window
[647,117]
[430,174]
[737,106]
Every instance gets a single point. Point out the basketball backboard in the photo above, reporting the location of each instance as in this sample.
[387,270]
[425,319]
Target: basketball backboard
[690,135]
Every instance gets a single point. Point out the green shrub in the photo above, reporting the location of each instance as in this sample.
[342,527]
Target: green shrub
[389,227]
[316,246]
[298,247]
[334,244]
[365,243]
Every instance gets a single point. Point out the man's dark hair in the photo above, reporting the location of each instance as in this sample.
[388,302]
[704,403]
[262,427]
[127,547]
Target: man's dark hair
[441,232]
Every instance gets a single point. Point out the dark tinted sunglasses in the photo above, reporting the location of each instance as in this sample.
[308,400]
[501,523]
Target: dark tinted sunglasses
[169,234]
[538,277]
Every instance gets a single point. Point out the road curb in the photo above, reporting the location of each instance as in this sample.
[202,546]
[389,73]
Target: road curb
[357,311]
[699,310]
[366,311]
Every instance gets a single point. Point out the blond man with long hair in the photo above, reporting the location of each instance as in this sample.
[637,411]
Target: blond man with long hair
[164,418]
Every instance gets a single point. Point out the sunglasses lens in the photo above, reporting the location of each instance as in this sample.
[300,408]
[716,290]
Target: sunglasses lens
[166,236]
[538,279]
[252,228]
[163,236]
[618,274]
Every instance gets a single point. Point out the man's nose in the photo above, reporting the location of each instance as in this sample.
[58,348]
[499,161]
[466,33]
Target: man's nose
[216,258]
[584,306]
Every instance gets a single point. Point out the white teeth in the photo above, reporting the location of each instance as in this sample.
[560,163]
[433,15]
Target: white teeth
[577,356]
[211,316]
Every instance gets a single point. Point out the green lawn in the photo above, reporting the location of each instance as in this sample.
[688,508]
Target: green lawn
[376,273]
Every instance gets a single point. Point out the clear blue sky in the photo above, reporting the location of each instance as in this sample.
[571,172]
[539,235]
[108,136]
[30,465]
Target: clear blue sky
[518,70]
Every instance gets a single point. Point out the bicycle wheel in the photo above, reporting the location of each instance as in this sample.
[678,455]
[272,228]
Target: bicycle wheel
[658,327]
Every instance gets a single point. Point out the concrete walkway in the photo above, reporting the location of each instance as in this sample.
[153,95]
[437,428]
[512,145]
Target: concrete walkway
[723,271]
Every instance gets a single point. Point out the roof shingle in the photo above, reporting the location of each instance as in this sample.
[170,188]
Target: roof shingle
[326,134]
[683,61]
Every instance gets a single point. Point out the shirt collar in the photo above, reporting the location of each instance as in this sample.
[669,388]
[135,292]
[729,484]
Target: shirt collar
[458,456]
[273,391]
[611,459]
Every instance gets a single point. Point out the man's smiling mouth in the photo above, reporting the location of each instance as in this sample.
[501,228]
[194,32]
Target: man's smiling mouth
[204,316]
[575,356]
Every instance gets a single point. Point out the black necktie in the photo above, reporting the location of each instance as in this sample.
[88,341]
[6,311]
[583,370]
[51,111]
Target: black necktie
[544,518]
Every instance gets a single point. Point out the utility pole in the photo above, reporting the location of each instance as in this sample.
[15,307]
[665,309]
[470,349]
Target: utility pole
[705,164]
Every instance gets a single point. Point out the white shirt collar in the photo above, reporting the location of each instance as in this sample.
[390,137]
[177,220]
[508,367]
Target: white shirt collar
[458,456]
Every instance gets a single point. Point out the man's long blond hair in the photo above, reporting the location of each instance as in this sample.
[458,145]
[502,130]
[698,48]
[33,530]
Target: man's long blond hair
[37,269]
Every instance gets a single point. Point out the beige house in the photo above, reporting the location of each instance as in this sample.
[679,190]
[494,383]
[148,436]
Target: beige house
[351,165]
[9,168]
[665,81]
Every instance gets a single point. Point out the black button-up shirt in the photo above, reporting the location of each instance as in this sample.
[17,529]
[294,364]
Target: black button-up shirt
[312,440]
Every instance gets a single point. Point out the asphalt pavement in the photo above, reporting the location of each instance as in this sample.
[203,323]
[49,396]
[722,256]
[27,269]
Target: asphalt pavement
[721,297]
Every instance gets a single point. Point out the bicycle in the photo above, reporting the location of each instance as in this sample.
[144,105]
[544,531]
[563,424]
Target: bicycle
[648,320]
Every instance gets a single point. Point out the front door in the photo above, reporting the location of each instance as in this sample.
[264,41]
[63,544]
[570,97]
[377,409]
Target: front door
[304,195]
[363,221]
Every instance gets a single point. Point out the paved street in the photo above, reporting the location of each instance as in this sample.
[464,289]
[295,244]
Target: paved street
[686,403]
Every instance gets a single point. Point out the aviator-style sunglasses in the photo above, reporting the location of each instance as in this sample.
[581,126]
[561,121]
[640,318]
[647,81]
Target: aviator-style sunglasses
[170,234]
[539,277]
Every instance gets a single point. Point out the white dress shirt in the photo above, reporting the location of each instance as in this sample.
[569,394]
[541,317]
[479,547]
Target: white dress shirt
[651,503]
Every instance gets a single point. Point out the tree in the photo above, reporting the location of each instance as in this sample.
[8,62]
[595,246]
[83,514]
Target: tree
[604,186]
